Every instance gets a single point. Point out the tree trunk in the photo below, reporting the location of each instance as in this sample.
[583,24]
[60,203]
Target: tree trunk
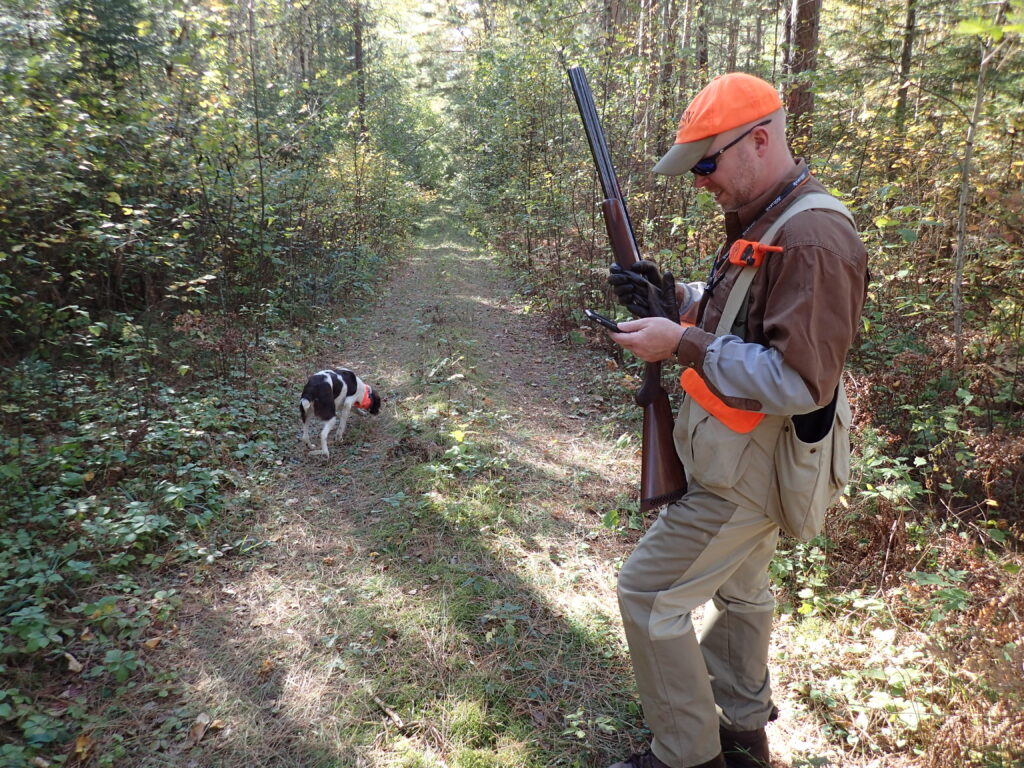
[666,91]
[357,56]
[701,59]
[988,51]
[487,19]
[734,34]
[684,71]
[787,35]
[906,56]
[255,83]
[803,57]
[756,52]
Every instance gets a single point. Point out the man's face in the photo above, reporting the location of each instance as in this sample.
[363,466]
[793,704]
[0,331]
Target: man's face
[735,180]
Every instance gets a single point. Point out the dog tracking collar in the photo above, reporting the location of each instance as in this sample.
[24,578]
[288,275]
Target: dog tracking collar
[367,401]
[748,253]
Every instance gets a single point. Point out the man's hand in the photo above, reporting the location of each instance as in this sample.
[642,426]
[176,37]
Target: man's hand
[644,290]
[652,339]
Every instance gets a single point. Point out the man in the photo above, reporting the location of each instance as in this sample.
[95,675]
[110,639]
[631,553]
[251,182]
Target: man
[707,700]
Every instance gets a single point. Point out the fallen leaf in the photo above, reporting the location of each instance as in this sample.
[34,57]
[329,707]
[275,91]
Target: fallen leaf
[83,744]
[153,642]
[266,667]
[198,729]
[74,665]
[328,561]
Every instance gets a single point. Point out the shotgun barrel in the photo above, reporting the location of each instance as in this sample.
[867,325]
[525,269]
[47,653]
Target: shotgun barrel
[662,478]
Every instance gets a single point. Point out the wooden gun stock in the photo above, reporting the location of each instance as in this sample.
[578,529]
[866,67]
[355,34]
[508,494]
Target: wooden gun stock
[662,478]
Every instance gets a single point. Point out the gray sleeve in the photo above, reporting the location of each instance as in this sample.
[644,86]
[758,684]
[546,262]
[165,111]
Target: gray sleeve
[754,372]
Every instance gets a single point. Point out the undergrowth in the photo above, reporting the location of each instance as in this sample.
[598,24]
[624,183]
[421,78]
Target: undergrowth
[128,453]
[110,480]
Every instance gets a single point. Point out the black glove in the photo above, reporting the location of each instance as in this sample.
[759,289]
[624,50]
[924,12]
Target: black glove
[644,290]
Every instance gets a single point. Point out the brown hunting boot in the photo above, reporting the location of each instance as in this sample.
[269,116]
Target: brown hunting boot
[745,749]
[648,760]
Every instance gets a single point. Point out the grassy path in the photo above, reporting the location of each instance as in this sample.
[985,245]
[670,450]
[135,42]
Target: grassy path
[440,591]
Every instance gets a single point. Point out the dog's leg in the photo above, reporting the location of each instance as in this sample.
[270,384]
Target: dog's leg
[345,411]
[323,438]
[304,408]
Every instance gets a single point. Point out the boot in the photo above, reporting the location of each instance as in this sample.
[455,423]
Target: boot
[648,760]
[745,749]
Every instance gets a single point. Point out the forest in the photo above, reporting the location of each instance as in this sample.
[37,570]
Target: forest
[204,201]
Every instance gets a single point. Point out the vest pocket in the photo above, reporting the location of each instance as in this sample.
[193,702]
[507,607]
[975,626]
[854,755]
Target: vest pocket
[811,475]
[715,454]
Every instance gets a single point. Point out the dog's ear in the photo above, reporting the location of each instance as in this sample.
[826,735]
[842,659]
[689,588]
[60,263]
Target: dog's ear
[374,402]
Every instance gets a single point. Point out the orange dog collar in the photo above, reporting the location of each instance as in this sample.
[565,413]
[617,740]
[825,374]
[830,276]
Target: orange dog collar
[367,400]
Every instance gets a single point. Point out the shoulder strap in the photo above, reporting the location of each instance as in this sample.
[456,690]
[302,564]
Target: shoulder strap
[819,200]
[738,294]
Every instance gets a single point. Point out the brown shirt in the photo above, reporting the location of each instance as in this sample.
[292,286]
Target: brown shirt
[805,302]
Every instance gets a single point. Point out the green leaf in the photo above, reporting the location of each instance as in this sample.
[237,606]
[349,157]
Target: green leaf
[113,197]
[974,27]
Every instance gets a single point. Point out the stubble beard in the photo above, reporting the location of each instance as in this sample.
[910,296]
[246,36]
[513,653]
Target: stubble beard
[742,188]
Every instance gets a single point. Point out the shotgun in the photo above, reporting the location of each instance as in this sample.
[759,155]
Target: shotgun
[662,478]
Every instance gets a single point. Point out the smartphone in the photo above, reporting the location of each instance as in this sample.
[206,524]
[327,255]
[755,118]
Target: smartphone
[602,321]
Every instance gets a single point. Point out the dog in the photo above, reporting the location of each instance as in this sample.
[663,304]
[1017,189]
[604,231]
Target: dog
[331,395]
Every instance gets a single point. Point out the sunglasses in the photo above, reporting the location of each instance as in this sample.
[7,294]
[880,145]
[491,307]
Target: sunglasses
[708,165]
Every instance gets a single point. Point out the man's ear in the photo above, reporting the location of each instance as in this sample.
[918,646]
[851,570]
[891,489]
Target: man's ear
[761,139]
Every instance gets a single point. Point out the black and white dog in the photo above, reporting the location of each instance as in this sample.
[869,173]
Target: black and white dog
[331,396]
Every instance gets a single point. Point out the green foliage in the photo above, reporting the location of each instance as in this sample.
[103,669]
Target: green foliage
[101,482]
[882,476]
[174,181]
[881,701]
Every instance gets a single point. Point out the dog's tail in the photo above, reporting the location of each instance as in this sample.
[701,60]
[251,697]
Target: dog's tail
[304,405]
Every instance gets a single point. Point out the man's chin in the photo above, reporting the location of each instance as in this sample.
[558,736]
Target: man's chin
[723,200]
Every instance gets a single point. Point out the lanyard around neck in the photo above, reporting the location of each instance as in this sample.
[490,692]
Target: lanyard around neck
[716,276]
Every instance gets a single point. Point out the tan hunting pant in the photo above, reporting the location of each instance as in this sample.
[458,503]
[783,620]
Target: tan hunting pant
[702,548]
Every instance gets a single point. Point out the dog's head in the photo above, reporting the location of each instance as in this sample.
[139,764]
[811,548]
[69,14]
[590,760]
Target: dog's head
[371,400]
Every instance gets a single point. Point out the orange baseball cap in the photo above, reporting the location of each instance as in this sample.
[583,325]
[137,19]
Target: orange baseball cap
[727,102]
